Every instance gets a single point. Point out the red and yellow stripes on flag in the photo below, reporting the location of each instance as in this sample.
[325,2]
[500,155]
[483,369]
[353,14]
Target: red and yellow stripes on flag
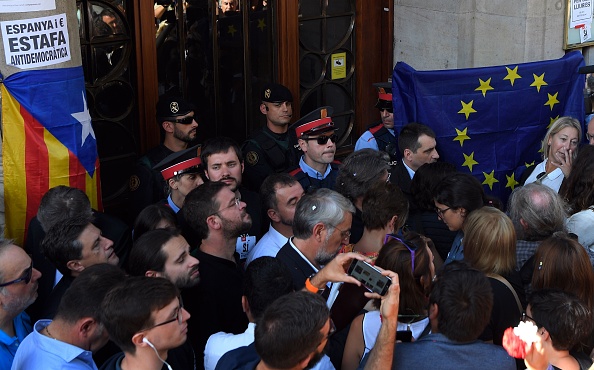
[34,162]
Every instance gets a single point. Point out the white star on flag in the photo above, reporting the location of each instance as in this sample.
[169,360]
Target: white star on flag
[85,120]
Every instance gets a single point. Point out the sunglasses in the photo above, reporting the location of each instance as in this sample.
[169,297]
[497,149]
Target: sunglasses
[322,140]
[26,278]
[184,121]
[389,110]
[411,248]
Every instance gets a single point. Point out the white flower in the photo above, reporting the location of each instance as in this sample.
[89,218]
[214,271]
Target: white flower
[526,331]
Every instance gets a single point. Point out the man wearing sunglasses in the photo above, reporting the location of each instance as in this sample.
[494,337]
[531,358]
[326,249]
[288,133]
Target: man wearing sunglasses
[18,290]
[317,139]
[153,323]
[178,125]
[380,135]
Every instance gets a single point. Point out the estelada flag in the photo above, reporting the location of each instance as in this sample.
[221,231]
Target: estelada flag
[490,121]
[47,141]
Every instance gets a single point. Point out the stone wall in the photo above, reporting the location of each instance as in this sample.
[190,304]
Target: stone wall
[449,34]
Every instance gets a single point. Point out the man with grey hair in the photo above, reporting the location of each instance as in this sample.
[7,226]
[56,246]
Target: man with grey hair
[537,212]
[322,223]
[18,289]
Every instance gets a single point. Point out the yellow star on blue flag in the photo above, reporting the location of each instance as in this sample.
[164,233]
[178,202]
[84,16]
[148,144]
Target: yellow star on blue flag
[484,86]
[490,121]
[467,108]
[511,181]
[538,81]
[462,136]
[512,75]
[490,179]
[469,161]
[552,100]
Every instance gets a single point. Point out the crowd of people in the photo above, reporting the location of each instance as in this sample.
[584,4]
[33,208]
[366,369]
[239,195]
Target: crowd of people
[239,256]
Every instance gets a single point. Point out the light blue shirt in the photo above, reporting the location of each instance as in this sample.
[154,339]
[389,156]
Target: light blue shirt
[313,173]
[411,173]
[9,345]
[174,207]
[38,351]
[367,141]
[269,245]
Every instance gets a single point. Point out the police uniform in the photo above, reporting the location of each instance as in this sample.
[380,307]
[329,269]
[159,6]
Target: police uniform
[313,124]
[182,162]
[377,136]
[146,185]
[266,152]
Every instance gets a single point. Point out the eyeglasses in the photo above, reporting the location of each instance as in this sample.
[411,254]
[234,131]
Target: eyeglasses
[440,212]
[388,178]
[184,121]
[26,278]
[178,317]
[322,140]
[411,248]
[237,204]
[344,234]
[525,316]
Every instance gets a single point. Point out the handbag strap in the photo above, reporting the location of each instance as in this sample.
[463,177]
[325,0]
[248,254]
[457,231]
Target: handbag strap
[508,285]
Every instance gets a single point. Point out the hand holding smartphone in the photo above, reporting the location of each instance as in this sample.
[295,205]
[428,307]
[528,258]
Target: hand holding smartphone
[370,277]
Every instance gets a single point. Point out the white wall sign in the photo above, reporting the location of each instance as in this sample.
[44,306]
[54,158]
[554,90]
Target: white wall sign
[36,42]
[581,12]
[21,6]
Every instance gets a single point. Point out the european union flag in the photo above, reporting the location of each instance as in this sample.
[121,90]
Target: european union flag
[490,121]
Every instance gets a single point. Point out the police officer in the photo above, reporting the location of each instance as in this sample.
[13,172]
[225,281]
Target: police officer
[380,135]
[182,172]
[268,151]
[317,138]
[176,118]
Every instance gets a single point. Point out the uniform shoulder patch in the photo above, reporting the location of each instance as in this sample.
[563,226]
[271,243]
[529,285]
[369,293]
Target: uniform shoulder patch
[134,182]
[252,158]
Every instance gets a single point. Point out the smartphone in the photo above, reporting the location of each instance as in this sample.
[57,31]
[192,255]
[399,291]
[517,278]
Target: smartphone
[370,277]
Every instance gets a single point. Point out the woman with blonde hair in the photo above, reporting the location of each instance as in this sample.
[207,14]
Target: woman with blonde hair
[559,148]
[490,246]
